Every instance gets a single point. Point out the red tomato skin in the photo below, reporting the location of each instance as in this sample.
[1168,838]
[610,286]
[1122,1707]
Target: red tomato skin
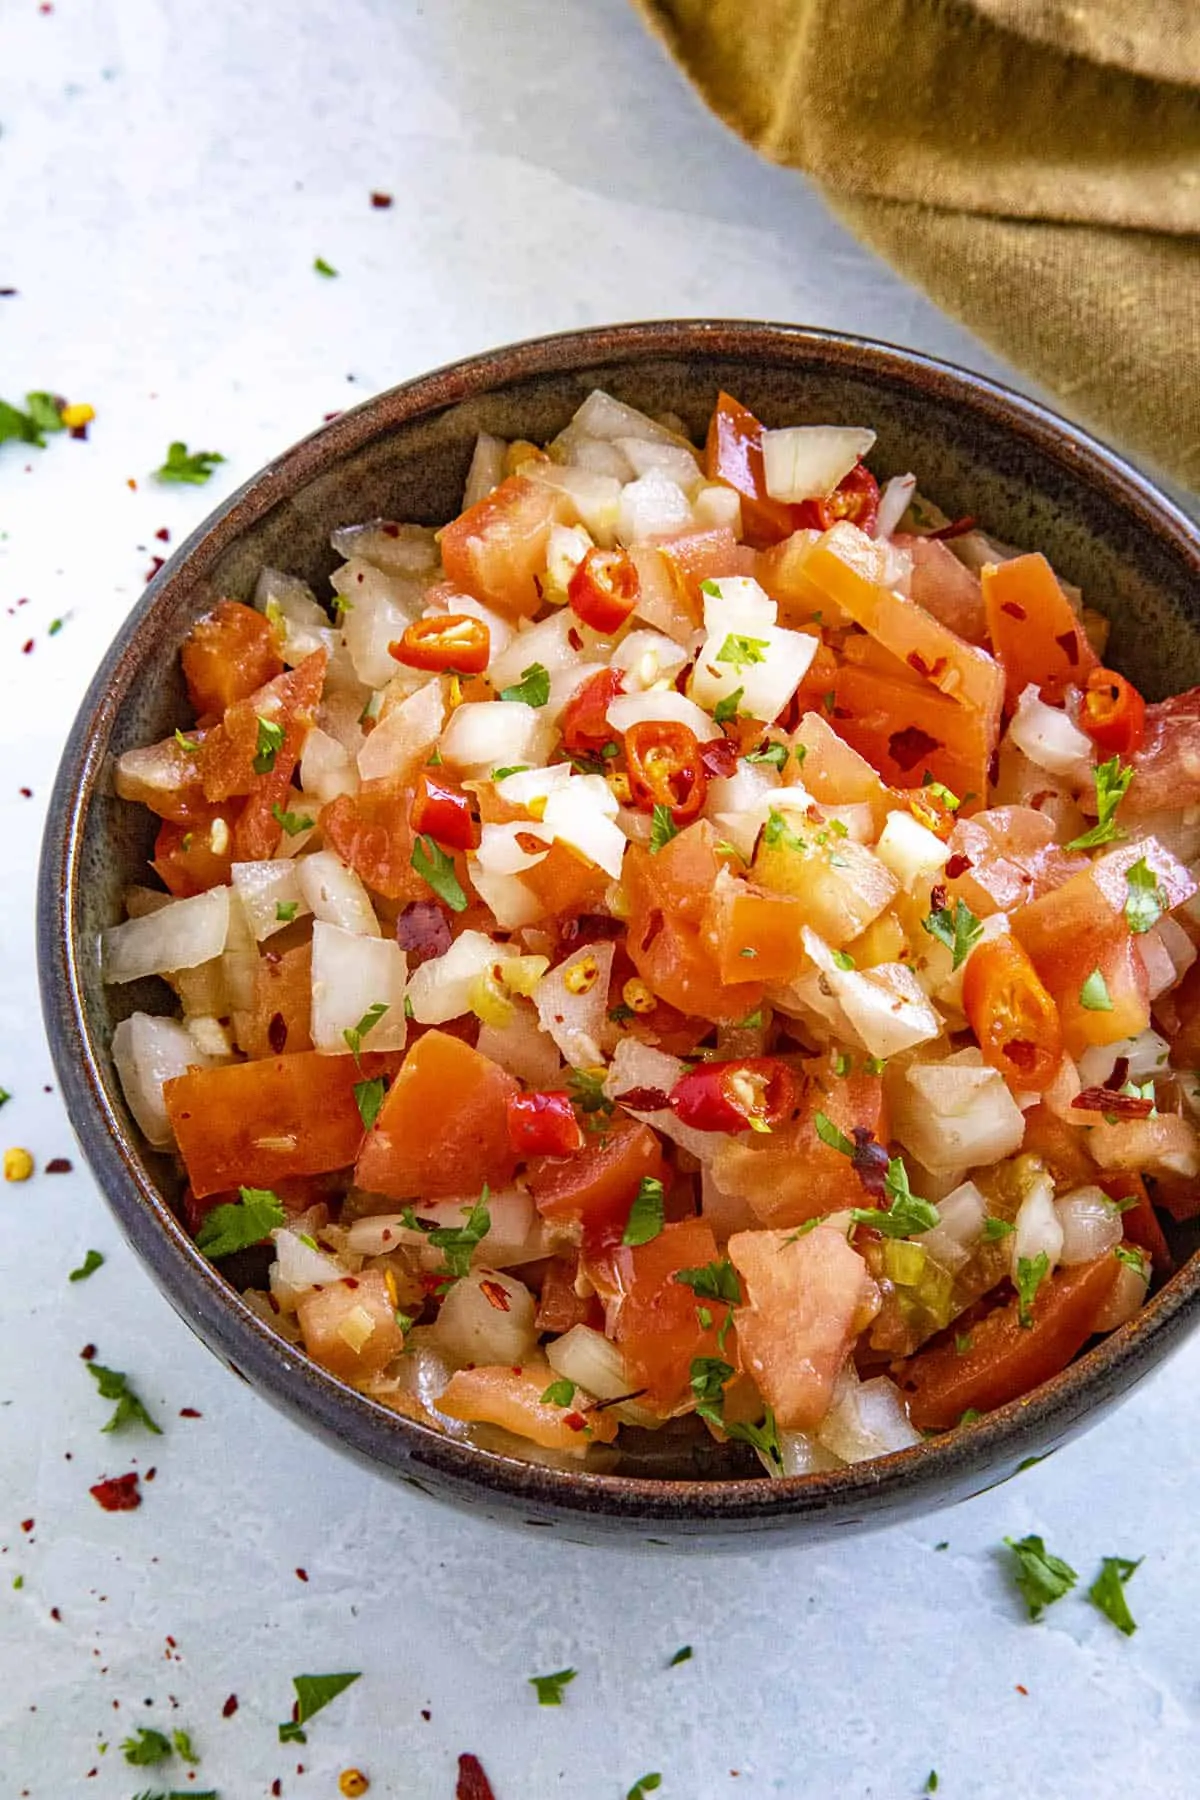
[657,1322]
[856,497]
[228,654]
[443,812]
[184,859]
[543,1124]
[583,725]
[443,1126]
[597,1186]
[496,550]
[733,454]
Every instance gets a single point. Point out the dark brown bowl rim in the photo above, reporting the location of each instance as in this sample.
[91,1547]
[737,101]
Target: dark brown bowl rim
[959,1461]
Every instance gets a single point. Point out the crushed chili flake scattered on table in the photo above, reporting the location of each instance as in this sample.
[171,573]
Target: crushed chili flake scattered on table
[1022,1690]
[302,1574]
[88,1351]
[379,200]
[26,793]
[163,534]
[118,1493]
[189,1412]
[473,1784]
[27,1525]
[27,647]
[59,1165]
[230,1707]
[156,563]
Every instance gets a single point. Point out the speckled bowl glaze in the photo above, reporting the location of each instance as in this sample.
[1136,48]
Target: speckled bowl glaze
[1030,477]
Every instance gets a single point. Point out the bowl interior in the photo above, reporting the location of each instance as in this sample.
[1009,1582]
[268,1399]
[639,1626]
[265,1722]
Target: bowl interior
[1028,479]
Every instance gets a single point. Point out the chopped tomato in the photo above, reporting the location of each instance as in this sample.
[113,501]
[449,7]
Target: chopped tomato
[1033,628]
[543,1124]
[1113,713]
[244,754]
[584,724]
[350,1327]
[559,1306]
[805,1300]
[1013,1017]
[1006,1359]
[166,778]
[227,655]
[657,1320]
[1167,767]
[443,1127]
[443,812]
[189,859]
[755,1094]
[280,1022]
[597,1186]
[833,772]
[371,832]
[704,556]
[1062,1148]
[1005,856]
[565,883]
[663,760]
[1081,946]
[668,898]
[780,570]
[855,498]
[945,587]
[1140,1221]
[447,641]
[906,730]
[512,1399]
[733,454]
[604,589]
[251,1124]
[496,550]
[748,928]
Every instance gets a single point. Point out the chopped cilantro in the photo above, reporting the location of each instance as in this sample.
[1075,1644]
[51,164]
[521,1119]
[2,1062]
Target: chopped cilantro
[236,1226]
[321,267]
[621,1014]
[408,1006]
[436,867]
[286,910]
[354,1034]
[1133,1259]
[1112,784]
[752,1021]
[191,745]
[842,1064]
[270,742]
[293,823]
[28,427]
[503,774]
[708,1376]
[91,1262]
[549,1688]
[726,710]
[183,1746]
[682,1655]
[559,1393]
[874,1065]
[996,1228]
[533,687]
[1031,1272]
[712,589]
[939,791]
[963,1341]
[704,1314]
[763,1437]
[907,1216]
[1041,1577]
[971,1416]
[1107,1592]
[313,1694]
[1146,902]
[662,829]
[130,1411]
[646,1214]
[54,627]
[195,468]
[4,1095]
[149,1746]
[712,1281]
[645,1784]
[776,754]
[1094,995]
[368,1097]
[843,959]
[959,930]
[778,831]
[931,1782]
[740,652]
[586,1088]
[829,1134]
[459,1241]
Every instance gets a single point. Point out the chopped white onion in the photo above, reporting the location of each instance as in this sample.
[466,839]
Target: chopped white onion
[262,888]
[548,643]
[378,609]
[893,504]
[1039,1230]
[911,851]
[565,550]
[1090,1225]
[440,988]
[600,416]
[496,734]
[1049,738]
[750,789]
[300,624]
[350,975]
[737,603]
[327,768]
[956,1114]
[211,1038]
[395,549]
[486,471]
[487,1318]
[510,902]
[646,455]
[1147,1055]
[298,1268]
[1126,1297]
[336,894]
[586,1357]
[866,1419]
[960,1222]
[884,1008]
[501,851]
[582,815]
[806,462]
[1156,960]
[765,684]
[147,1052]
[181,935]
[661,703]
[799,1454]
[645,657]
[573,1007]
[652,507]
[594,493]
[522,1047]
[404,735]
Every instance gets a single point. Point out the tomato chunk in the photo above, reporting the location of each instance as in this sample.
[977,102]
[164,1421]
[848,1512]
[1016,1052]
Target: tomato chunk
[668,898]
[443,812]
[1006,1359]
[496,550]
[512,1399]
[252,1124]
[443,1127]
[584,724]
[350,1327]
[733,454]
[543,1124]
[657,1322]
[255,749]
[597,1186]
[372,833]
[281,1019]
[1033,628]
[227,655]
[190,859]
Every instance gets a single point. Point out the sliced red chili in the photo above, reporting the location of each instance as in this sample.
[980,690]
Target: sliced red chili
[604,589]
[665,768]
[543,1124]
[1113,713]
[446,641]
[755,1094]
[443,812]
[856,497]
[584,724]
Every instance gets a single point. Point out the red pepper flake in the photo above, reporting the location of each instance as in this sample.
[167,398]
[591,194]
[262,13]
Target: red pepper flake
[59,1165]
[993,768]
[325,420]
[909,747]
[575,1421]
[426,1714]
[230,1707]
[1013,610]
[302,1574]
[189,1412]
[26,1525]
[495,1295]
[277,1786]
[1103,1100]
[642,1099]
[156,563]
[380,201]
[423,931]
[27,647]
[26,793]
[277,1033]
[719,758]
[8,293]
[163,534]
[1068,643]
[150,1474]
[931,671]
[56,1615]
[1022,1690]
[1119,1074]
[473,1784]
[88,1351]
[956,528]
[938,897]
[117,1494]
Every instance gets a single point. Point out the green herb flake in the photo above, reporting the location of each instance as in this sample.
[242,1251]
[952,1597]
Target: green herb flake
[148,1746]
[533,687]
[549,1688]
[586,1087]
[248,1220]
[829,1134]
[662,829]
[458,1242]
[707,1378]
[436,868]
[1094,995]
[368,1097]
[682,1655]
[1133,1259]
[44,414]
[5,1096]
[752,1021]
[778,831]
[321,267]
[183,1747]
[842,1065]
[270,742]
[907,1216]
[621,1014]
[712,1281]
[645,1784]
[1040,1577]
[354,1034]
[91,1262]
[1107,1592]
[704,1314]
[190,745]
[646,1214]
[958,929]
[741,652]
[994,1228]
[1031,1272]
[726,710]
[286,910]
[313,1694]
[515,769]
[293,823]
[1112,784]
[1146,902]
[559,1393]
[195,468]
[712,589]
[843,959]
[775,754]
[113,1385]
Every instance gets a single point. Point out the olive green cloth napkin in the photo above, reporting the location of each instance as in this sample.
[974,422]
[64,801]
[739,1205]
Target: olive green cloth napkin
[1033,165]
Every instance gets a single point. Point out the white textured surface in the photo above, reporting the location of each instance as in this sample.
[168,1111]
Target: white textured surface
[168,171]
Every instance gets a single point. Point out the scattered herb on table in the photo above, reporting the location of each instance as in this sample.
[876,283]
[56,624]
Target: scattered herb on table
[1041,1577]
[113,1385]
[645,1784]
[549,1688]
[313,1694]
[194,468]
[91,1262]
[321,267]
[148,1746]
[682,1655]
[1107,1592]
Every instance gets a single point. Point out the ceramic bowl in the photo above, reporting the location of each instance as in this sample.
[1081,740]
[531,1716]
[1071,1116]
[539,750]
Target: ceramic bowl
[1031,478]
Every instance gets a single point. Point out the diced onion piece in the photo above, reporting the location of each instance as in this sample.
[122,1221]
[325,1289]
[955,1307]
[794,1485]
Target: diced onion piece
[1126,1297]
[506,897]
[806,462]
[298,1268]
[586,1357]
[595,493]
[326,768]
[766,684]
[486,471]
[912,852]
[496,734]
[1147,1055]
[1049,738]
[1090,1225]
[582,815]
[300,624]
[716,505]
[940,974]
[885,1007]
[960,1223]
[645,657]
[350,975]
[737,603]
[395,549]
[893,504]
[523,1048]
[335,894]
[180,935]
[440,989]
[652,507]
[487,1317]
[565,550]
[646,455]
[501,851]
[800,1454]
[211,1038]
[1177,943]
[239,959]
[750,789]
[600,416]
[405,735]
[565,684]
[548,643]
[378,609]
[528,786]
[866,1419]
[1167,953]
[148,1051]
[1039,1230]
[661,703]
[262,888]
[598,457]
[572,1003]
[956,1115]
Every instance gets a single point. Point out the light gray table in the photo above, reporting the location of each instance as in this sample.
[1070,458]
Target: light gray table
[168,172]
